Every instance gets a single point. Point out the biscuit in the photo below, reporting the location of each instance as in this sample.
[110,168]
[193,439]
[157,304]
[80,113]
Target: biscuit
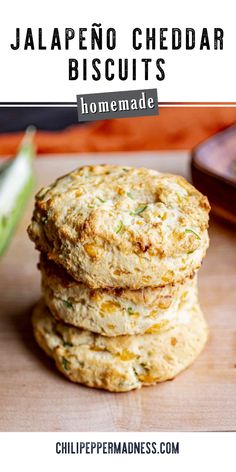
[122,363]
[117,227]
[113,312]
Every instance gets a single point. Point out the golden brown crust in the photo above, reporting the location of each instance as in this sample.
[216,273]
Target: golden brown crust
[114,312]
[122,227]
[120,363]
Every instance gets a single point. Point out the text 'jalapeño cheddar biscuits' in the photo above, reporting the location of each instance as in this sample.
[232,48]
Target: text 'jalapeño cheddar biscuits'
[122,227]
[120,363]
[113,312]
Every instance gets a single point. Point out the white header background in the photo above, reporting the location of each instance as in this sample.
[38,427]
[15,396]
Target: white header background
[191,76]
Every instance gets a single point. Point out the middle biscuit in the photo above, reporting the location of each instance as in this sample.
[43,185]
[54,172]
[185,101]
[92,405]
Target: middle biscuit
[114,312]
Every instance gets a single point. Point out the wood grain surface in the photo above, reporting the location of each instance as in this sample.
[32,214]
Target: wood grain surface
[35,397]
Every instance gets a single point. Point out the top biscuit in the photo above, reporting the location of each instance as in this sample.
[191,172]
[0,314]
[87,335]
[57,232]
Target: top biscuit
[112,226]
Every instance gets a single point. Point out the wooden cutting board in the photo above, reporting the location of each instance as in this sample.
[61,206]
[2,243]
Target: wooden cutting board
[35,397]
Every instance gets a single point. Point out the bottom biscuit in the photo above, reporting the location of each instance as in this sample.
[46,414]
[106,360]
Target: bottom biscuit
[121,363]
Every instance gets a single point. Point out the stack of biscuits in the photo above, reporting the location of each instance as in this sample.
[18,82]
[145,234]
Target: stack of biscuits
[120,250]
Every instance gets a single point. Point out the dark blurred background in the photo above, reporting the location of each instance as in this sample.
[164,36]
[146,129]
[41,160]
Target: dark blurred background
[59,132]
[13,119]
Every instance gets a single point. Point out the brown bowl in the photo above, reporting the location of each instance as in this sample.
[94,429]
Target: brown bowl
[213,167]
